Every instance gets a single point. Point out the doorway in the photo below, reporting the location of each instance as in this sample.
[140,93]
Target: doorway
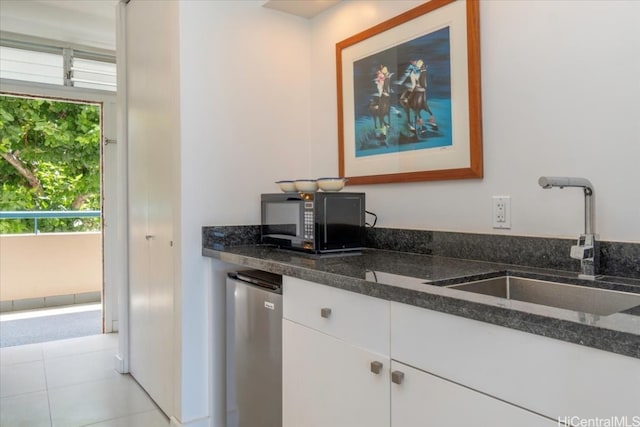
[104,226]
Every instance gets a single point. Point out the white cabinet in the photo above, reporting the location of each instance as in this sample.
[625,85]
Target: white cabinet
[329,382]
[550,377]
[335,357]
[424,399]
[152,140]
[455,371]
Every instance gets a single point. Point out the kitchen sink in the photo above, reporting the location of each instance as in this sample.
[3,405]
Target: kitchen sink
[583,299]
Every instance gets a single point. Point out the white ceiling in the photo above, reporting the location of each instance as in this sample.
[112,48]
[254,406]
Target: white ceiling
[92,23]
[303,8]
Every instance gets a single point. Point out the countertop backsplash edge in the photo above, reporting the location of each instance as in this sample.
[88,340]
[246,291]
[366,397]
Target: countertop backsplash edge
[619,259]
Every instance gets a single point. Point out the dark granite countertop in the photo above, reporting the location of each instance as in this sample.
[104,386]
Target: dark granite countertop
[421,280]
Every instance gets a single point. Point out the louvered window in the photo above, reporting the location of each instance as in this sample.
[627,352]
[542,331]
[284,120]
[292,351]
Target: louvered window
[31,66]
[57,66]
[92,74]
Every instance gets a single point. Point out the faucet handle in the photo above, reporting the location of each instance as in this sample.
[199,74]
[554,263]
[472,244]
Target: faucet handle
[584,249]
[581,252]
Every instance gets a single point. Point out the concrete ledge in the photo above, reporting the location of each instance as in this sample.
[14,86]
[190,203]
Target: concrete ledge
[52,301]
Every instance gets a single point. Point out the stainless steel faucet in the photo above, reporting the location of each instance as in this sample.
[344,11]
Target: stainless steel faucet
[587,250]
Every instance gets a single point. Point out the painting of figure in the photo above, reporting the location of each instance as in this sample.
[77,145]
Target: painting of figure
[402,97]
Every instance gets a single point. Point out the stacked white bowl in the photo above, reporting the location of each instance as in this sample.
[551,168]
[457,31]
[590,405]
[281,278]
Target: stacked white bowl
[310,185]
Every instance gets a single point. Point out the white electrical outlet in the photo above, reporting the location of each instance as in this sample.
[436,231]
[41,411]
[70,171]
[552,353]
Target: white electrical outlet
[501,211]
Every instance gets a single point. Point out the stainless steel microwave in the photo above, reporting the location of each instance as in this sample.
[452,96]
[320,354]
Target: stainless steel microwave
[314,222]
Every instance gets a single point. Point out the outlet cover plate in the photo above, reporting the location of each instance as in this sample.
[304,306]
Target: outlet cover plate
[501,212]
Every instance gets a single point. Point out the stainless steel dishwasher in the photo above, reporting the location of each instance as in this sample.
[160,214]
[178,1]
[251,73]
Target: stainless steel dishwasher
[254,349]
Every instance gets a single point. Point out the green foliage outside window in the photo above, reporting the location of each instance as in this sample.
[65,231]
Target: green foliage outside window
[49,160]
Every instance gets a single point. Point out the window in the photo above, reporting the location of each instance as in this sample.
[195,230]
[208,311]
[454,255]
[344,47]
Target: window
[57,66]
[92,74]
[31,66]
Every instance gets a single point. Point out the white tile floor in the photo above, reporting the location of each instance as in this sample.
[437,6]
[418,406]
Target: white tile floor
[71,383]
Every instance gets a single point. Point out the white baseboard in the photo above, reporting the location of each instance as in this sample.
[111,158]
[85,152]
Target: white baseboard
[201,422]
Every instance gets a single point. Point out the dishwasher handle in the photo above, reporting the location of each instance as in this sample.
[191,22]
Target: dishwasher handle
[256,282]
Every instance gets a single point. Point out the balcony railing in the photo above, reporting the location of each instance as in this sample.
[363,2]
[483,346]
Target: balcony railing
[35,215]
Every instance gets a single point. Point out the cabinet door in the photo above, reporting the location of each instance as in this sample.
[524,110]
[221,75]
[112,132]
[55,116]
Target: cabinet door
[422,399]
[152,138]
[328,382]
[550,377]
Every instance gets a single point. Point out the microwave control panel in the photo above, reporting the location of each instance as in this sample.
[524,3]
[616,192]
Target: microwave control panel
[308,220]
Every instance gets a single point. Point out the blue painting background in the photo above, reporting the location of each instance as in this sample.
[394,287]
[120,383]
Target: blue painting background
[434,50]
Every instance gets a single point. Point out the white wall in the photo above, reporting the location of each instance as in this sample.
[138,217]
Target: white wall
[258,104]
[245,102]
[560,96]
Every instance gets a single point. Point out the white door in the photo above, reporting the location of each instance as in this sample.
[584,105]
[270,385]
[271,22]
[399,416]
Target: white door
[328,382]
[422,399]
[113,261]
[152,135]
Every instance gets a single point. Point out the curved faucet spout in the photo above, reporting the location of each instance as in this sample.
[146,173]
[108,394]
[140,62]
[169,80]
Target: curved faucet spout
[565,181]
[587,250]
[585,184]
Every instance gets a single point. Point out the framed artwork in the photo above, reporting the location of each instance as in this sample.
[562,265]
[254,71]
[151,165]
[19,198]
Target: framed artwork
[409,105]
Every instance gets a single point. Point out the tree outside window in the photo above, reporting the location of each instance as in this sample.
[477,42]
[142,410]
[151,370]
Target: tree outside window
[49,160]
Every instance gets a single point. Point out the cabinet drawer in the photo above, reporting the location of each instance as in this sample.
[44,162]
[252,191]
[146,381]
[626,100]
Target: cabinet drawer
[550,377]
[358,319]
